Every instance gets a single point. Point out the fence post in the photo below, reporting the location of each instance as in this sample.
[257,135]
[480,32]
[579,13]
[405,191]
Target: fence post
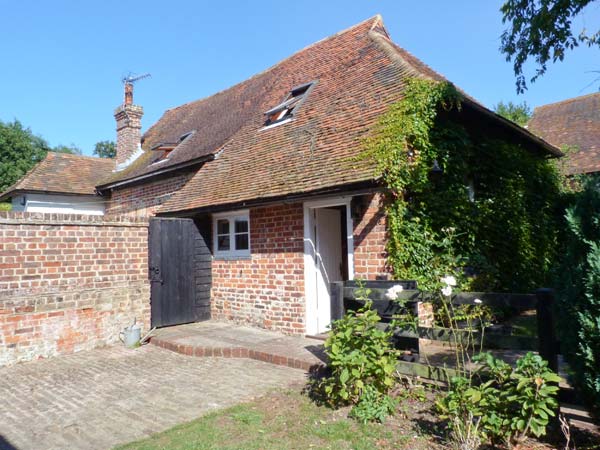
[336,295]
[548,347]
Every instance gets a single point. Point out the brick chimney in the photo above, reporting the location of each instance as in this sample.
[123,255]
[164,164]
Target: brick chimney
[129,126]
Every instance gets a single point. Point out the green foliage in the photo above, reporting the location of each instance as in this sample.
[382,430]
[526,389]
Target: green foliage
[463,407]
[20,150]
[4,206]
[518,113]
[542,30]
[105,149]
[373,406]
[507,405]
[360,355]
[520,401]
[70,149]
[490,189]
[579,292]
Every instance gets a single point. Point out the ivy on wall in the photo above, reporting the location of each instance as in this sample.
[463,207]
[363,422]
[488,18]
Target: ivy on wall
[489,215]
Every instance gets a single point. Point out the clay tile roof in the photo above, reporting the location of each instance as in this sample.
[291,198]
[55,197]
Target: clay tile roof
[357,74]
[575,123]
[63,173]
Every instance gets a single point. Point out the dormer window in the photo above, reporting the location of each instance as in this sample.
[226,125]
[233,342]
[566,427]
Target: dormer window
[285,110]
[164,149]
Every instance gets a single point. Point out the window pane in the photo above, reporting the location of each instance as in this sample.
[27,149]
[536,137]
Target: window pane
[223,226]
[241,226]
[223,243]
[241,242]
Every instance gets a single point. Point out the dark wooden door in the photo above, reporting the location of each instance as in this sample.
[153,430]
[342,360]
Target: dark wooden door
[180,272]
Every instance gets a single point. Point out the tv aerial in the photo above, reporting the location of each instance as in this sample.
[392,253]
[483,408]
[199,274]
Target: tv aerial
[128,81]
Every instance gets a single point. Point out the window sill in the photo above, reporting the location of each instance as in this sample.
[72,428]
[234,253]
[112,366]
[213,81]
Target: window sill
[231,257]
[276,124]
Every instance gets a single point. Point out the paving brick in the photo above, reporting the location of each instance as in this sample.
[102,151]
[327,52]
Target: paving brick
[100,398]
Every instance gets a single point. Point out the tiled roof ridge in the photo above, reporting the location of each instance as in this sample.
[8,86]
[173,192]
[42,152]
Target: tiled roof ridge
[74,155]
[565,101]
[394,52]
[377,20]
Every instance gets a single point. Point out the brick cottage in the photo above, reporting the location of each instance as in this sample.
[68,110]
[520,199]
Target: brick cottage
[257,199]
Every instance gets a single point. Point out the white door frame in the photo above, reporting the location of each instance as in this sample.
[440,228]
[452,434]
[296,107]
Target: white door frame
[310,283]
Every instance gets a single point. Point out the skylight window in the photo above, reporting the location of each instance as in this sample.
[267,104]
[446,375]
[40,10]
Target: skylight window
[286,109]
[164,149]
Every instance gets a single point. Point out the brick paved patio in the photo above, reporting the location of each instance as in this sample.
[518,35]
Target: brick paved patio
[212,338]
[97,399]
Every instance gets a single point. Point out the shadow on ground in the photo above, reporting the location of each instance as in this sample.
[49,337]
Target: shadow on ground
[6,445]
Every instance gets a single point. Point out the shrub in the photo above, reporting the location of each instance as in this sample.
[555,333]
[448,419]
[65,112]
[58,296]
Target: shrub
[578,291]
[506,405]
[373,406]
[362,363]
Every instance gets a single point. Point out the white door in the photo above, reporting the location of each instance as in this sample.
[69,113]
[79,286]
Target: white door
[328,260]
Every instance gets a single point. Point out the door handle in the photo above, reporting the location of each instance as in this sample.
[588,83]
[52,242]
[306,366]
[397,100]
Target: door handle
[154,275]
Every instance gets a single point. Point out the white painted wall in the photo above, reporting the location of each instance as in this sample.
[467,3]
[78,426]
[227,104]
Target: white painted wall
[54,203]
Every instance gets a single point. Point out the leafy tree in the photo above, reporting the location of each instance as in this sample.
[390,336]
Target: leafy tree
[518,113]
[579,292]
[105,149]
[543,30]
[20,150]
[71,149]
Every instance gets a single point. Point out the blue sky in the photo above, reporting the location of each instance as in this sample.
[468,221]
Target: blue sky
[63,60]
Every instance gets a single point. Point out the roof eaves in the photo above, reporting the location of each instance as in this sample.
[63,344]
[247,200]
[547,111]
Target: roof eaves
[155,173]
[549,148]
[389,48]
[355,188]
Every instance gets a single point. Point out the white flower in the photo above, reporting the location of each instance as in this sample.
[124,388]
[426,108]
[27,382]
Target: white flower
[447,291]
[449,280]
[393,292]
[478,301]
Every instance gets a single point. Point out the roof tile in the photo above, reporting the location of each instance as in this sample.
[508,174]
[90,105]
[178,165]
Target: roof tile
[576,123]
[64,173]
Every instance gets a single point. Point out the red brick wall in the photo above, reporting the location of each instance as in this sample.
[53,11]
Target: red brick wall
[370,238]
[266,290]
[144,199]
[69,282]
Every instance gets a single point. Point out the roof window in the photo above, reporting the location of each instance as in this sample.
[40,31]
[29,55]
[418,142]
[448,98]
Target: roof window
[285,110]
[164,149]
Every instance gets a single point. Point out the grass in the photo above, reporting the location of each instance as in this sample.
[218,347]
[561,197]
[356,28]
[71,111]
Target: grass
[281,420]
[5,206]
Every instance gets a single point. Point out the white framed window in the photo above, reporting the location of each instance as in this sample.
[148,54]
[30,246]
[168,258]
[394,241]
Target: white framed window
[285,110]
[231,234]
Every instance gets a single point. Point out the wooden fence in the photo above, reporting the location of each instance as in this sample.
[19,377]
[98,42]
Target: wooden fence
[346,296]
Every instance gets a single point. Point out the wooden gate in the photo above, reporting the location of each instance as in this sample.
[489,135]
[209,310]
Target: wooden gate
[179,264]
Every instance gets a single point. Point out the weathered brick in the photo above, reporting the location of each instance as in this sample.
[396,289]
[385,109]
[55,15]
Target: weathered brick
[52,299]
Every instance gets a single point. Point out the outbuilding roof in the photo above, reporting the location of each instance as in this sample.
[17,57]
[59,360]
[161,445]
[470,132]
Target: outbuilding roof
[573,123]
[63,173]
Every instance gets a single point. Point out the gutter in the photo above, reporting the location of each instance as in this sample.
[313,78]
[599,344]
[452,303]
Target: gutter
[190,163]
[13,193]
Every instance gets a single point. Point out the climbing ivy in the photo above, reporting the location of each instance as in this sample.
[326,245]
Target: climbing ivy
[490,217]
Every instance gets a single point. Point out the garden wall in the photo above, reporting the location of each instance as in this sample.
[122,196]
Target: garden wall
[69,282]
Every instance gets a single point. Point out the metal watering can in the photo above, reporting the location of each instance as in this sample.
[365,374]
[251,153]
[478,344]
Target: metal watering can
[130,336]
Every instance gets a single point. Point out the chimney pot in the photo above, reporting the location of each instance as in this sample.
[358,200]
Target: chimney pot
[128,94]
